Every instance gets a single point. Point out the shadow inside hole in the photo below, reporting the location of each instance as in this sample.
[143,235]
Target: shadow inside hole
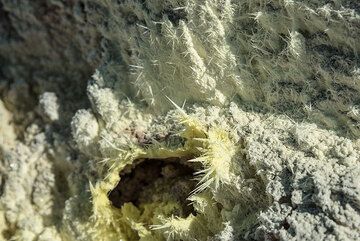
[153,180]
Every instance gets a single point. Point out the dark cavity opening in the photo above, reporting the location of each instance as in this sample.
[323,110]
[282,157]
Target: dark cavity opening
[154,180]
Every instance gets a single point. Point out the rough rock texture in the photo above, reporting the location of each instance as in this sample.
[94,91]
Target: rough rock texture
[47,53]
[270,122]
[293,57]
[45,46]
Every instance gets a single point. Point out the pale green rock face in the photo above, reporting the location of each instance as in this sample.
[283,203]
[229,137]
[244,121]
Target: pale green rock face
[297,58]
[179,120]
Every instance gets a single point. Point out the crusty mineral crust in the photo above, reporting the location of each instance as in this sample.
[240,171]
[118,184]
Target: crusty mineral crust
[297,58]
[281,78]
[287,175]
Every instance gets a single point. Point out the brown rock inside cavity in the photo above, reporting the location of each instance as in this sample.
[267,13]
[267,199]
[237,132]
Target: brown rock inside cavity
[155,180]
